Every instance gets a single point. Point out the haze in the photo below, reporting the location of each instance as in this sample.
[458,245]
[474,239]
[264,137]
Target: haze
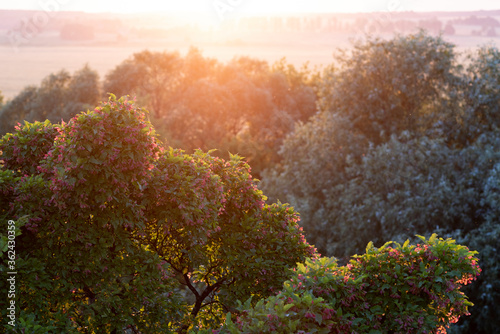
[42,37]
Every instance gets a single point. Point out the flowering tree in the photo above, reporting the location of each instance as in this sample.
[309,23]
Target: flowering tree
[392,289]
[208,221]
[111,227]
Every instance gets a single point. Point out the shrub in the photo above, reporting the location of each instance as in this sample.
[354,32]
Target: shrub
[392,289]
[23,150]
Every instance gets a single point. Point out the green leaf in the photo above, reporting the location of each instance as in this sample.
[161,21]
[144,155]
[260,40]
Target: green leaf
[95,161]
[319,318]
[370,247]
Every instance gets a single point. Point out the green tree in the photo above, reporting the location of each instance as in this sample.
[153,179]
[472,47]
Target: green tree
[315,161]
[17,109]
[60,96]
[388,86]
[485,294]
[244,106]
[115,230]
[406,187]
[478,96]
[393,289]
[81,269]
[23,151]
[152,76]
[356,176]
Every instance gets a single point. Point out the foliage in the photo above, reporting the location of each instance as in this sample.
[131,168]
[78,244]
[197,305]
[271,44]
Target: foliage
[113,227]
[391,289]
[408,186]
[60,96]
[477,109]
[80,266]
[485,294]
[151,75]
[405,143]
[100,160]
[17,109]
[220,239]
[244,106]
[23,151]
[381,89]
[8,180]
[315,159]
[387,86]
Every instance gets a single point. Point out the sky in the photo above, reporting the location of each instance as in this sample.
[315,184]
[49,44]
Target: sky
[251,7]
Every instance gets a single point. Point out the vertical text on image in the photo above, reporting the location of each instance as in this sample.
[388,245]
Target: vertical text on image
[11,273]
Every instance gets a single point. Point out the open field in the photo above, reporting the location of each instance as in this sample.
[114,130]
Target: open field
[311,39]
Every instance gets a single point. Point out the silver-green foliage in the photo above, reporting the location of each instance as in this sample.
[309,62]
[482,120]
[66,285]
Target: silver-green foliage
[406,142]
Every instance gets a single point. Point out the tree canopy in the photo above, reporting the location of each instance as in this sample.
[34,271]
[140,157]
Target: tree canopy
[130,221]
[405,143]
[113,227]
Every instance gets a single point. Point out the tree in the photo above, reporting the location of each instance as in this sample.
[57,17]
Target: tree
[80,268]
[393,289]
[485,294]
[153,76]
[478,96]
[405,187]
[314,160]
[112,227]
[22,152]
[60,96]
[359,174]
[84,90]
[17,109]
[386,87]
[244,106]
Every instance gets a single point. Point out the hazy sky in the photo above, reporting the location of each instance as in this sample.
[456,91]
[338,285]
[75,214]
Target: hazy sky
[251,6]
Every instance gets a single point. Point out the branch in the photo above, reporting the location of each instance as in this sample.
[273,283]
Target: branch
[192,288]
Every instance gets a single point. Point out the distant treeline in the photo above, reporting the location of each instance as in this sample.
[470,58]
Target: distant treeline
[244,106]
[23,26]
